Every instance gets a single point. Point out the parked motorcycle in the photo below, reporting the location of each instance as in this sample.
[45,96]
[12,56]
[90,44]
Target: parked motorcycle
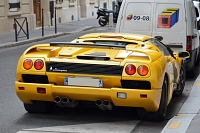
[103,14]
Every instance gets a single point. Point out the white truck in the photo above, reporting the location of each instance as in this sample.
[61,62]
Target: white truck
[174,20]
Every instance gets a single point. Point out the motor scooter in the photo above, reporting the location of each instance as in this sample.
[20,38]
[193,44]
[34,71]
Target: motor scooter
[103,15]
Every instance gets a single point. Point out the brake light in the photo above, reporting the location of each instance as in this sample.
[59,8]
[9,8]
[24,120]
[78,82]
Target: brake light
[142,70]
[189,43]
[189,38]
[38,64]
[27,64]
[130,69]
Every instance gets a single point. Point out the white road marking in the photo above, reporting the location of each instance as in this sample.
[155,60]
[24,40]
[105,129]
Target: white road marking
[107,127]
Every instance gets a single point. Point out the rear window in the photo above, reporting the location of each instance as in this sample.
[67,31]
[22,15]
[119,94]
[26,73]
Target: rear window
[113,43]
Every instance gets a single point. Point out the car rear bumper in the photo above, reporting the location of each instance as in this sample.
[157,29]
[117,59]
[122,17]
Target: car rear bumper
[147,99]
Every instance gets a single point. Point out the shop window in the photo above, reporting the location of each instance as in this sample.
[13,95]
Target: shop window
[59,1]
[113,5]
[92,2]
[105,5]
[14,5]
[72,1]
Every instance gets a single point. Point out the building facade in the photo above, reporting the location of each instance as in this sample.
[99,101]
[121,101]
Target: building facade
[38,11]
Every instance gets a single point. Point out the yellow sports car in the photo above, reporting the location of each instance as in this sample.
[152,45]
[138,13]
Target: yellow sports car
[108,69]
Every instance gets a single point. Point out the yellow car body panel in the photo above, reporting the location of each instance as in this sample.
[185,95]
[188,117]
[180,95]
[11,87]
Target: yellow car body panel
[133,99]
[80,62]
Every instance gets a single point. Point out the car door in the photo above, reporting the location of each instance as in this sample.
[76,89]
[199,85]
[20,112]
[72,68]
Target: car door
[172,66]
[170,58]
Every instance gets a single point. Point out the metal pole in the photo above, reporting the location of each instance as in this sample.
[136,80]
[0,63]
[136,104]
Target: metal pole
[42,22]
[15,26]
[27,30]
[55,22]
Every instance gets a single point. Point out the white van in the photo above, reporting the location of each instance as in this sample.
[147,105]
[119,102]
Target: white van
[197,5]
[174,20]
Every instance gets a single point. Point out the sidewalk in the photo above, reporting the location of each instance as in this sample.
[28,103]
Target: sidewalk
[8,40]
[188,118]
[186,121]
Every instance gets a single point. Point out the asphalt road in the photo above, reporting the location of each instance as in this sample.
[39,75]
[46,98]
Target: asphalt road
[14,118]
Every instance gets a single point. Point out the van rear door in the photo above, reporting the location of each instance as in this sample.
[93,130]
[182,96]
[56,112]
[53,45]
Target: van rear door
[136,17]
[170,23]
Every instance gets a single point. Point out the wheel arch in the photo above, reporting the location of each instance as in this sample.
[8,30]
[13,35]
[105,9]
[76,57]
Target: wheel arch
[169,91]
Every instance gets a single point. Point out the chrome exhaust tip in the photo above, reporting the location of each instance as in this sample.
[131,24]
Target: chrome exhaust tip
[69,103]
[57,99]
[65,100]
[99,103]
[107,105]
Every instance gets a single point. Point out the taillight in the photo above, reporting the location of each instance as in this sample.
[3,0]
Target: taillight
[41,90]
[27,64]
[142,70]
[130,69]
[38,64]
[189,43]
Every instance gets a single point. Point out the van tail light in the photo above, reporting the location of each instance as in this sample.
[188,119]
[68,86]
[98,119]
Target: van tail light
[130,69]
[189,43]
[38,64]
[142,70]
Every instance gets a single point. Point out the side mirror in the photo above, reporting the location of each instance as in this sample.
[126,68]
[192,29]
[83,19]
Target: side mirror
[159,38]
[184,54]
[197,12]
[198,24]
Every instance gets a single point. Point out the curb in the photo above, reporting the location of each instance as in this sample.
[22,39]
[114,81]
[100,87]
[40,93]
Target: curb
[181,122]
[13,44]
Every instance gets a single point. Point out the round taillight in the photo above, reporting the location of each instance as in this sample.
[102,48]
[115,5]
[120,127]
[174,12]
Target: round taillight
[27,64]
[38,64]
[142,70]
[130,69]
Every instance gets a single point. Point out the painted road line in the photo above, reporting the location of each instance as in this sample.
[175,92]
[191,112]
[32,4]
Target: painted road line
[178,124]
[174,125]
[181,122]
[106,127]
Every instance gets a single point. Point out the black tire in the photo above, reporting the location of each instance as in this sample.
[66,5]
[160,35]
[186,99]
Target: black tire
[160,114]
[181,83]
[102,22]
[197,63]
[39,107]
[190,73]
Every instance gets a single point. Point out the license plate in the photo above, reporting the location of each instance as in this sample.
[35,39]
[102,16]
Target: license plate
[83,81]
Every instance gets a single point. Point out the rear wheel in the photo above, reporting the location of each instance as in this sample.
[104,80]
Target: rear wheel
[181,83]
[160,114]
[197,63]
[40,107]
[103,21]
[190,73]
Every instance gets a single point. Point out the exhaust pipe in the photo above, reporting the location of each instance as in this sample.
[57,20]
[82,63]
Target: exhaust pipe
[69,103]
[100,105]
[57,100]
[65,101]
[107,105]
[74,103]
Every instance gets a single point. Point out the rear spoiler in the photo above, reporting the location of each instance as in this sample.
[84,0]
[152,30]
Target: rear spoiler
[95,45]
